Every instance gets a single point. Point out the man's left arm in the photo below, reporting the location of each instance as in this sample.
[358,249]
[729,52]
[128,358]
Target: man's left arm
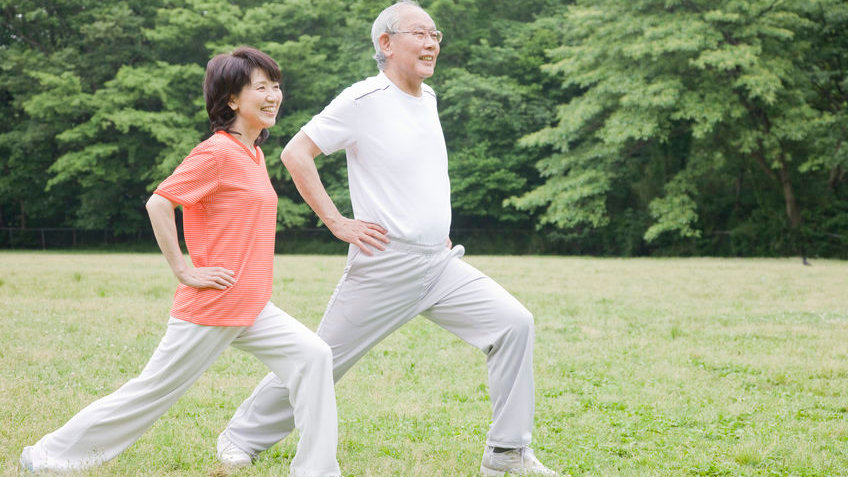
[299,158]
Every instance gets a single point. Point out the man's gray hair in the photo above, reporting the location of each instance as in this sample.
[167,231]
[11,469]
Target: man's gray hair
[387,22]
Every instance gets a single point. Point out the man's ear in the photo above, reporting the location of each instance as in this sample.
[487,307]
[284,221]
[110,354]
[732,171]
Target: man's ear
[385,41]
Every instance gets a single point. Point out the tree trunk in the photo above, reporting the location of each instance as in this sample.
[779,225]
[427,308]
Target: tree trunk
[23,216]
[837,174]
[793,209]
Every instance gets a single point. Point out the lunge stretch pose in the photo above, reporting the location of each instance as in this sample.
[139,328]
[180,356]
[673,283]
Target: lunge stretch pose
[230,213]
[400,262]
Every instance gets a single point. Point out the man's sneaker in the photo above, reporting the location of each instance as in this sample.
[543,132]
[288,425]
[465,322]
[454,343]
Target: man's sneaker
[26,462]
[230,454]
[519,461]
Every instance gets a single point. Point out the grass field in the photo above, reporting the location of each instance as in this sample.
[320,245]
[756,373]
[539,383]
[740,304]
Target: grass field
[644,367]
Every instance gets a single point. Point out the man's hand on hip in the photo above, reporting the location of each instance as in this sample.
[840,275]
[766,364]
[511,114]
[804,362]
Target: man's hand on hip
[362,234]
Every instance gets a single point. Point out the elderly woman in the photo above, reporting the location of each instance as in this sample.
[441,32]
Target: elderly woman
[223,296]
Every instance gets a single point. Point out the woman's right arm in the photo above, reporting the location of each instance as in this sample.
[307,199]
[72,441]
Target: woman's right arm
[161,211]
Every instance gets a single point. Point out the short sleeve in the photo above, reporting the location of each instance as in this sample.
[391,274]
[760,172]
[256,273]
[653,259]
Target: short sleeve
[195,178]
[334,128]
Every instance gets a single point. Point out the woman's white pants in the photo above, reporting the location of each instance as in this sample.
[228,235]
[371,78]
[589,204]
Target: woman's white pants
[294,354]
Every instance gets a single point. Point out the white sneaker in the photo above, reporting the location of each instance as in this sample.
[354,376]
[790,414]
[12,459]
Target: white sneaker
[231,455]
[519,461]
[26,462]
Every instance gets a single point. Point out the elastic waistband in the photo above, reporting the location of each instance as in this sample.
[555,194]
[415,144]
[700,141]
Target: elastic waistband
[425,249]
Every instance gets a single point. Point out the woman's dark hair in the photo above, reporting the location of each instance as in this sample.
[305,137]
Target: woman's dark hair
[226,75]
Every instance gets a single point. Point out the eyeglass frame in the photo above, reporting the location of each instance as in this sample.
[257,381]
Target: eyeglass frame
[422,35]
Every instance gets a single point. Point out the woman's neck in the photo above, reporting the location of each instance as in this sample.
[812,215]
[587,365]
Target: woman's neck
[249,140]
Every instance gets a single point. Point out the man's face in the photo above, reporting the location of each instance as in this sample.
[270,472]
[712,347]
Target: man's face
[412,56]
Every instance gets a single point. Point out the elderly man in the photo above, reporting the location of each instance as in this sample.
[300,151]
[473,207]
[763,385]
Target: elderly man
[400,262]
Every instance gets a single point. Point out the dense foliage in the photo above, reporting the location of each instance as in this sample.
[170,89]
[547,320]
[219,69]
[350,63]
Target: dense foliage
[606,126]
[722,122]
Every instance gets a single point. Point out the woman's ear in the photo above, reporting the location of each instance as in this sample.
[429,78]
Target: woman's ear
[233,103]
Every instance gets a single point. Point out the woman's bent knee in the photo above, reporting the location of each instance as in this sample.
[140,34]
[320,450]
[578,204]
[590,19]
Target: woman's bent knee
[520,319]
[315,349]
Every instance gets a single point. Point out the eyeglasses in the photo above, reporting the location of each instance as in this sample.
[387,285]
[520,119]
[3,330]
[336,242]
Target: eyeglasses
[422,35]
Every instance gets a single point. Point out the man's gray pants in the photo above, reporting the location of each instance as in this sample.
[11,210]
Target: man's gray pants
[378,294]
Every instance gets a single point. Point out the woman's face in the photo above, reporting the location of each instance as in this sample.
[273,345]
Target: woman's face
[257,104]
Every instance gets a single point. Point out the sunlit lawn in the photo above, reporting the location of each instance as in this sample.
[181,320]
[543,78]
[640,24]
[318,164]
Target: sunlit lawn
[644,367]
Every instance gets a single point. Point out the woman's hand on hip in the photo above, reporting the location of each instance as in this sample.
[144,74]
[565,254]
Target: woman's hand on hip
[208,277]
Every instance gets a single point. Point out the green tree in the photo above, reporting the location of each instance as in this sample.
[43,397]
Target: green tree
[108,97]
[303,36]
[137,126]
[729,81]
[491,93]
[55,55]
[105,98]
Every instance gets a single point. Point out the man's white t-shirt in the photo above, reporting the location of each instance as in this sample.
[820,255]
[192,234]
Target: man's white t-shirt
[396,157]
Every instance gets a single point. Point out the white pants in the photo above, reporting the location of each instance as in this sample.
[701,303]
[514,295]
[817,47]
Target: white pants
[299,359]
[378,294]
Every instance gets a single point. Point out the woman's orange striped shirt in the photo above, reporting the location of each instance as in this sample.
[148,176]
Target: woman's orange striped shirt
[229,220]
